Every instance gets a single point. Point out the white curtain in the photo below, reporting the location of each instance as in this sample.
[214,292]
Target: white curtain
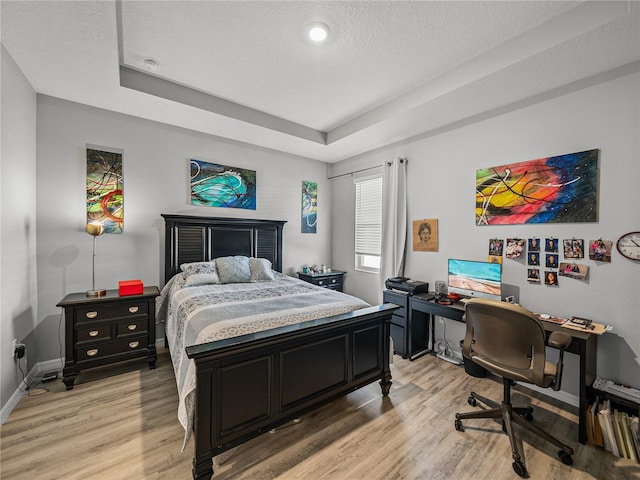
[394,219]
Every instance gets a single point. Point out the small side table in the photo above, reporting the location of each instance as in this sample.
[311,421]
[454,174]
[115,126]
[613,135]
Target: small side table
[332,279]
[108,329]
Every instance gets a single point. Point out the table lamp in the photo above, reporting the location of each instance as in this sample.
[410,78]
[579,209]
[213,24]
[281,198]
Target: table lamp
[95,229]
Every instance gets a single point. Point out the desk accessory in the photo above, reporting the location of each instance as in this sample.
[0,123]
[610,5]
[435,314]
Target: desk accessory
[130,287]
[545,317]
[444,300]
[582,322]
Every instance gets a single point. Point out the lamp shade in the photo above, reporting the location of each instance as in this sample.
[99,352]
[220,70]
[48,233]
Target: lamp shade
[95,229]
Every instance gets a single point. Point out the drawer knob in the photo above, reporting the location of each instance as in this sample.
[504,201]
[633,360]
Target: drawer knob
[133,309]
[92,352]
[93,314]
[93,333]
[133,326]
[333,280]
[320,282]
[133,344]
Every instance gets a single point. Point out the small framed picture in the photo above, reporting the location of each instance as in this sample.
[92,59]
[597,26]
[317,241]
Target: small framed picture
[533,275]
[573,248]
[515,248]
[550,278]
[573,270]
[533,245]
[600,250]
[551,245]
[533,258]
[495,247]
[551,260]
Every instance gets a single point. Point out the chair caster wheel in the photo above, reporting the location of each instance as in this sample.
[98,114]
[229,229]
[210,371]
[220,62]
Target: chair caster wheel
[528,416]
[458,424]
[565,457]
[518,467]
[472,401]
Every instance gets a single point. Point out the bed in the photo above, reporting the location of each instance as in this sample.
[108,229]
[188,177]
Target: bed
[242,386]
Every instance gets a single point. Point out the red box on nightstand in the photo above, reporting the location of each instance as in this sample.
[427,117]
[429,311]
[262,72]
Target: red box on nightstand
[130,287]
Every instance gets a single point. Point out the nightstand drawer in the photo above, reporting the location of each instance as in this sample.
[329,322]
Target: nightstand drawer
[92,333]
[110,311]
[328,282]
[332,280]
[93,352]
[131,327]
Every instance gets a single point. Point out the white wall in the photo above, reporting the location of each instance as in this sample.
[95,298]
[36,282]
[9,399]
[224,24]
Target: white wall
[18,298]
[441,185]
[156,179]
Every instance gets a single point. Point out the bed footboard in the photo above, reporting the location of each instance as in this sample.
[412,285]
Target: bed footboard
[247,385]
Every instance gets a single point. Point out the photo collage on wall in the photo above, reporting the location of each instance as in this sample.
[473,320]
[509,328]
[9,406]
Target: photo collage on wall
[552,258]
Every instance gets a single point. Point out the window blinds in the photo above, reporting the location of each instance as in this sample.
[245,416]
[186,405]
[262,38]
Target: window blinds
[368,216]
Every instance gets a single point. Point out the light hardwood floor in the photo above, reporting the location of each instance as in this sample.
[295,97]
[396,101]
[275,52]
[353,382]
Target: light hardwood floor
[121,423]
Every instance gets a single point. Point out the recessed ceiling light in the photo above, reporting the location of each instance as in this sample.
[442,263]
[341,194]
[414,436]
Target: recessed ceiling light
[318,32]
[150,63]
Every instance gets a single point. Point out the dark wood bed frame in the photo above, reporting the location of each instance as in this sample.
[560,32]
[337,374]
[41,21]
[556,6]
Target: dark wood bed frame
[248,385]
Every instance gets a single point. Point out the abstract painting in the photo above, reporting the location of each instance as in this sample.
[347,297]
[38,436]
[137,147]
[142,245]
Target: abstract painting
[309,206]
[215,185]
[105,202]
[561,189]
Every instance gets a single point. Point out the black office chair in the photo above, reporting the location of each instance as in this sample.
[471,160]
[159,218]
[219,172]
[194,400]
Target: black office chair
[509,341]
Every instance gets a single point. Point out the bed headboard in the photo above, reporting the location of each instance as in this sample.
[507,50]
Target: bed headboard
[191,238]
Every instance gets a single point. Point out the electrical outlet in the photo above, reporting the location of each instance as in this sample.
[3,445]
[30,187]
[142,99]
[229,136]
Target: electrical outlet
[14,342]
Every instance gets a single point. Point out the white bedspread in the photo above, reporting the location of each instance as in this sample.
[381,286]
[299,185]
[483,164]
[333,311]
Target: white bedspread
[206,313]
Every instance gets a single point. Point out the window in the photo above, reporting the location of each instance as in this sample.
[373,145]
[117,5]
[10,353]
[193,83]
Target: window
[368,222]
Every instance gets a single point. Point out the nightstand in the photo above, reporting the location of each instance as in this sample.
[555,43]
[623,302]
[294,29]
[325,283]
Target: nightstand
[332,279]
[108,329]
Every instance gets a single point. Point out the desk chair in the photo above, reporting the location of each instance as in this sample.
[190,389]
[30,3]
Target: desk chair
[509,341]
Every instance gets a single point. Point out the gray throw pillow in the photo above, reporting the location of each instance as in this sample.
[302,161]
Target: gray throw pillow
[200,273]
[233,269]
[260,270]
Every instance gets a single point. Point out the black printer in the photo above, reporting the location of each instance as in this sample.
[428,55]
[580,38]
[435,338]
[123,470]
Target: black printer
[407,285]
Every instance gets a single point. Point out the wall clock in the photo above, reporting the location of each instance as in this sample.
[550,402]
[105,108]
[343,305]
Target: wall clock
[629,245]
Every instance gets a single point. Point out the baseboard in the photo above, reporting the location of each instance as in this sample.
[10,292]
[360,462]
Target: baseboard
[32,378]
[565,397]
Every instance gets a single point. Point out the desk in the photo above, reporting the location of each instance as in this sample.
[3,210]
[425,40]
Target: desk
[583,344]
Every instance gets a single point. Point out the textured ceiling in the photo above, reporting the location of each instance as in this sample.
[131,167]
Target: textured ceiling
[390,70]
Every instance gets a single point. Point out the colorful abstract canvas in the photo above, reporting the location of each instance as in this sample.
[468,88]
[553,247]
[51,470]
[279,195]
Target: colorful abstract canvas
[105,202]
[561,189]
[215,185]
[309,206]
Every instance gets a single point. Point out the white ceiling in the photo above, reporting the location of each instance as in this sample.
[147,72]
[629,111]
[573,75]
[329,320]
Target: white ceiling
[391,69]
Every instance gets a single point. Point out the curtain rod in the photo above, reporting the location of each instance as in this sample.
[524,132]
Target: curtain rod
[402,160]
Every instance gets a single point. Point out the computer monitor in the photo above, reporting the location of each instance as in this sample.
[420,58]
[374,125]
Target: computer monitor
[475,279]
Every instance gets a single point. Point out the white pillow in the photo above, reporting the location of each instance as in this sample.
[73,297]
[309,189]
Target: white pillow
[260,270]
[233,269]
[200,273]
